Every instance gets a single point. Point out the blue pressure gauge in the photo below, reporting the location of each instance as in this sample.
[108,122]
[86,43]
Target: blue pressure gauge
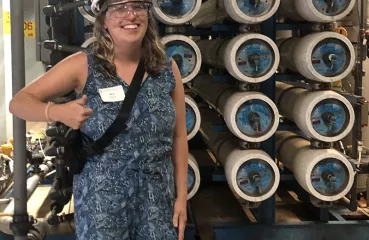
[329,177]
[255,177]
[330,57]
[255,58]
[255,8]
[331,7]
[177,8]
[183,54]
[330,117]
[190,118]
[190,179]
[255,118]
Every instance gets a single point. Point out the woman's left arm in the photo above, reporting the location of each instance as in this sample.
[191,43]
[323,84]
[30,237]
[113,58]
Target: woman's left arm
[180,154]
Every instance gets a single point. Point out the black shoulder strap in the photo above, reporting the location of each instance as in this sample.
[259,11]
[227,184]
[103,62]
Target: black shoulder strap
[119,123]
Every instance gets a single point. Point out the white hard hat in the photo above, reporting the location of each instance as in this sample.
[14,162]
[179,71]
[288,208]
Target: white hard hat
[96,5]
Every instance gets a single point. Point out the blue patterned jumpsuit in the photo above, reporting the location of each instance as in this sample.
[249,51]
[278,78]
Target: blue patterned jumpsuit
[128,192]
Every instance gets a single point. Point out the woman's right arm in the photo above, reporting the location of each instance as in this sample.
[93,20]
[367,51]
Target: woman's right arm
[70,74]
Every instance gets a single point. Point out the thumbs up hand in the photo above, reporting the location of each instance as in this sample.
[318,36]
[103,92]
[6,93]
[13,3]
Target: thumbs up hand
[72,114]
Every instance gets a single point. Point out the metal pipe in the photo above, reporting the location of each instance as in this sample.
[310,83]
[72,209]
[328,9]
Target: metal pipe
[19,125]
[32,183]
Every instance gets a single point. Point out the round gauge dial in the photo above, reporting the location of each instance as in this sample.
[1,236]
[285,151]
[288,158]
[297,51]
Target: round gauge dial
[255,8]
[331,7]
[330,57]
[255,177]
[255,118]
[183,54]
[329,177]
[254,58]
[190,118]
[177,8]
[330,117]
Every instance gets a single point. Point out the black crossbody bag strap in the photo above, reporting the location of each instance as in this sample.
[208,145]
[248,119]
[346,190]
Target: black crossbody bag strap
[119,125]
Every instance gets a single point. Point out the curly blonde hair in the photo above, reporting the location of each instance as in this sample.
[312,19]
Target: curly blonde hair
[103,47]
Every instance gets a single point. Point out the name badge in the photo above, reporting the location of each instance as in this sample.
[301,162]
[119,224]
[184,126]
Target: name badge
[112,94]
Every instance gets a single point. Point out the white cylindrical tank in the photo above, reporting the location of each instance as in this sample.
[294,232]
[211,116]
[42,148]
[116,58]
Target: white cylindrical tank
[193,177]
[246,12]
[186,54]
[316,10]
[251,116]
[249,57]
[251,174]
[193,117]
[87,13]
[175,12]
[323,115]
[324,173]
[323,57]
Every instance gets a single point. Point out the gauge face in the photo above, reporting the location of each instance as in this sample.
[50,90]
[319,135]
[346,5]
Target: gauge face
[329,177]
[255,8]
[331,7]
[190,179]
[255,177]
[330,117]
[330,57]
[254,58]
[255,118]
[190,118]
[183,54]
[177,8]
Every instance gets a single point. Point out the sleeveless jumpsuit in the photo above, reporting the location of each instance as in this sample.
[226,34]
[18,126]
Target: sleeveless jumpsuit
[128,192]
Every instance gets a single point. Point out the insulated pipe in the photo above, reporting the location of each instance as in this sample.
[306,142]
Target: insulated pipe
[324,173]
[19,125]
[323,115]
[323,57]
[193,180]
[251,116]
[251,174]
[175,12]
[193,117]
[32,183]
[186,54]
[249,57]
[244,11]
[323,11]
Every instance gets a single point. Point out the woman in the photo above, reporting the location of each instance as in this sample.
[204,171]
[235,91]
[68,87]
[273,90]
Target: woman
[128,191]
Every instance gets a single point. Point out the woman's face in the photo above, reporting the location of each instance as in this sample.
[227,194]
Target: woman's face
[127,22]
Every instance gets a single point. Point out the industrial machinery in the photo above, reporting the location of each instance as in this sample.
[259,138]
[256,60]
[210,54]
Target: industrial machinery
[235,73]
[249,57]
[322,115]
[321,56]
[186,54]
[249,115]
[246,12]
[325,173]
[250,173]
[316,10]
[86,12]
[193,117]
[175,12]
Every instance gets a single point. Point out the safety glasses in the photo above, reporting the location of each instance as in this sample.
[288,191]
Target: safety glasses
[122,9]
